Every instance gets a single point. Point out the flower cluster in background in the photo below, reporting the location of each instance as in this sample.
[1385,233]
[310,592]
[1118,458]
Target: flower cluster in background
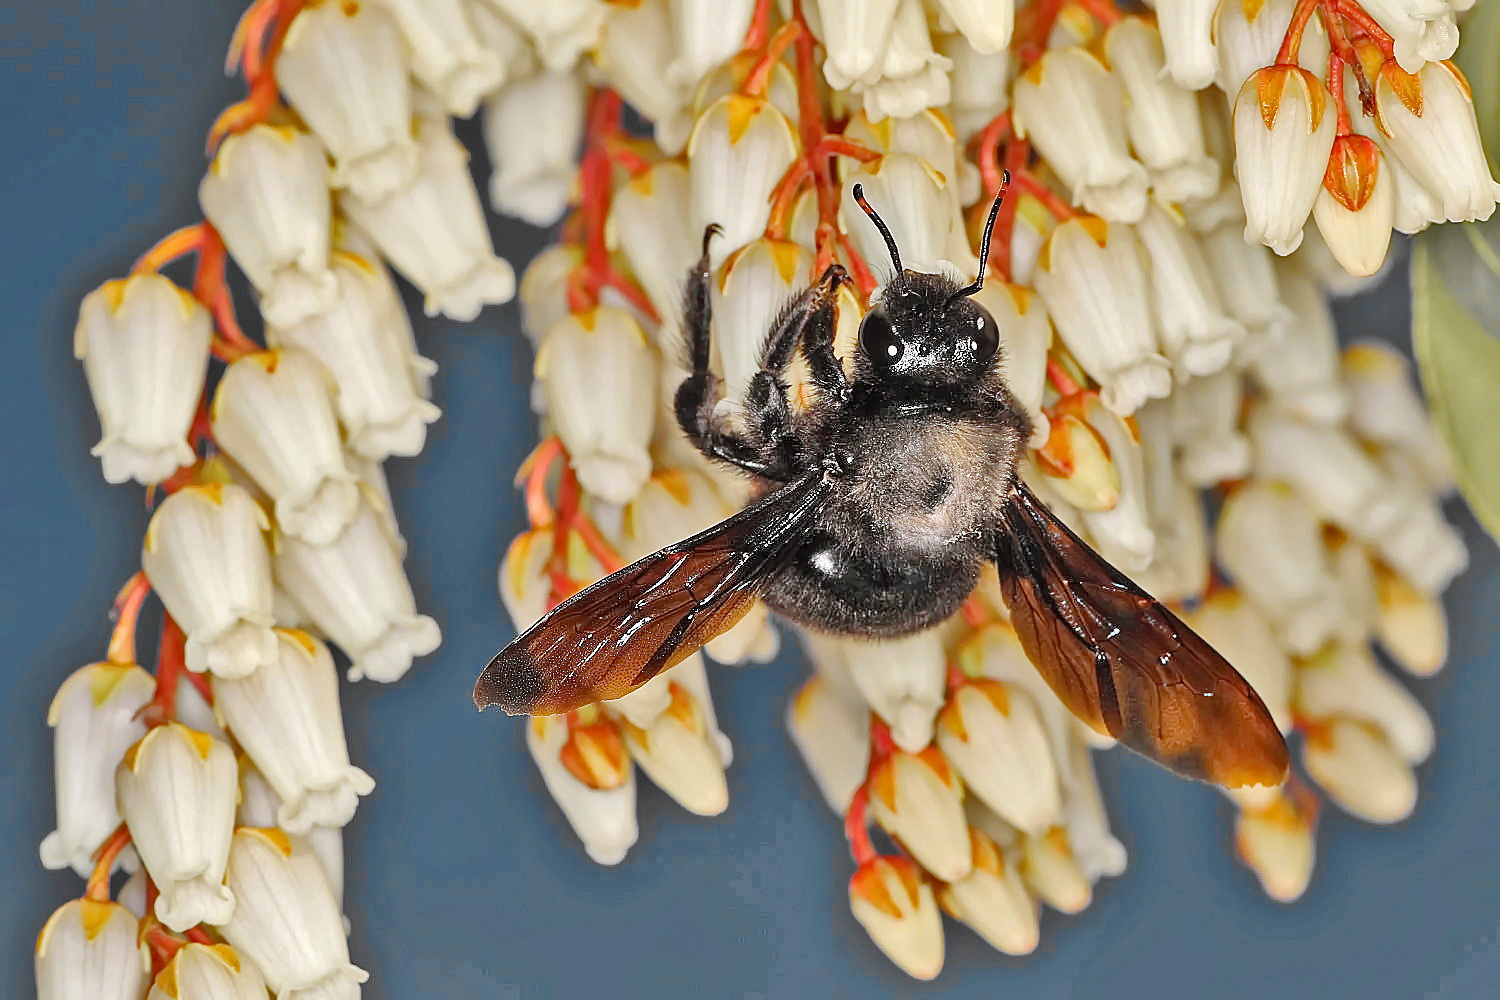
[1165,355]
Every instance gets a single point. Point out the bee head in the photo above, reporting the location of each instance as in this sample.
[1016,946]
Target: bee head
[925,329]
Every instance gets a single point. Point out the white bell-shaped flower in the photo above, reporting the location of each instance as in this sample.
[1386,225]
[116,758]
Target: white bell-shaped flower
[1187,39]
[1290,581]
[598,373]
[1196,334]
[602,810]
[504,38]
[273,412]
[1205,418]
[91,950]
[208,972]
[144,346]
[855,34]
[1249,33]
[995,737]
[446,53]
[259,806]
[205,554]
[986,24]
[1234,627]
[914,201]
[976,85]
[342,68]
[895,906]
[1276,842]
[1356,214]
[912,76]
[1423,30]
[1284,126]
[1420,544]
[1025,338]
[434,232]
[1384,409]
[1246,280]
[902,681]
[534,167]
[636,43]
[266,193]
[749,292]
[177,790]
[1411,625]
[1122,534]
[365,342]
[739,149]
[1358,767]
[1096,851]
[1052,872]
[918,799]
[561,30]
[357,594]
[287,920]
[993,900]
[706,34]
[1344,681]
[544,289]
[1073,109]
[1300,373]
[93,718]
[832,733]
[286,716]
[1433,130]
[649,221]
[1161,117]
[678,753]
[1092,276]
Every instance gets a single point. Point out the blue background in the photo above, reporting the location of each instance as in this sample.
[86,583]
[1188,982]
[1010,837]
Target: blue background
[464,881]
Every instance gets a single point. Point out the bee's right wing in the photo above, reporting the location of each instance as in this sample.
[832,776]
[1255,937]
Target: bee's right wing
[617,634]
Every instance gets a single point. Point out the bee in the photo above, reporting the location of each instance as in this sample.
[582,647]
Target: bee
[875,508]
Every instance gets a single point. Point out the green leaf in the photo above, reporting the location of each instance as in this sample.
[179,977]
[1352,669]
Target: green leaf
[1479,42]
[1455,321]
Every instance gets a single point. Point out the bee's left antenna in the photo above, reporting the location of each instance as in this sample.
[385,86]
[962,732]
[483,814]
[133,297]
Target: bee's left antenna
[984,242]
[890,241]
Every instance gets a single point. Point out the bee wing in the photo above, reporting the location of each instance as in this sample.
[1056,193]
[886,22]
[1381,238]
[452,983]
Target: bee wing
[617,634]
[1126,665]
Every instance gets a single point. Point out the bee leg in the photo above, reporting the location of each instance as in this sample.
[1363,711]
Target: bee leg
[817,344]
[699,395]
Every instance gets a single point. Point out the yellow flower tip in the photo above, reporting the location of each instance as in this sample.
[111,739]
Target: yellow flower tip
[596,755]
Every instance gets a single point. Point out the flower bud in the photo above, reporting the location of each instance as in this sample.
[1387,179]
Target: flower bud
[1076,464]
[90,948]
[445,52]
[1433,131]
[992,899]
[1344,681]
[434,232]
[208,972]
[1187,40]
[144,346]
[749,292]
[266,193]
[603,815]
[677,752]
[177,789]
[356,593]
[1357,205]
[206,557]
[1247,639]
[534,167]
[1092,277]
[855,34]
[1283,131]
[1161,116]
[1359,769]
[1095,850]
[985,24]
[739,149]
[1422,30]
[1180,561]
[918,799]
[896,908]
[1247,284]
[1290,581]
[902,681]
[597,372]
[561,30]
[706,34]
[1410,625]
[995,737]
[1206,416]
[273,412]
[914,200]
[1050,870]
[1249,34]
[1196,335]
[832,734]
[1276,842]
[259,807]
[287,920]
[649,223]
[365,342]
[1355,577]
[93,717]
[978,84]
[1073,110]
[1025,338]
[912,75]
[342,68]
[286,716]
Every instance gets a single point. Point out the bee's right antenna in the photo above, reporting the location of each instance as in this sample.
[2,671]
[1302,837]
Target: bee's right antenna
[890,241]
[984,242]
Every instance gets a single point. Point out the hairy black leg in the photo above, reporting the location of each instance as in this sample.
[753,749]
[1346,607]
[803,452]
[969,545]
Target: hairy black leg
[698,397]
[817,343]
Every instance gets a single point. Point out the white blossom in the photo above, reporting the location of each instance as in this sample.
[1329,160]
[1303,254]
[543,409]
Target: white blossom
[1284,126]
[985,24]
[831,732]
[856,34]
[912,198]
[1422,30]
[208,972]
[748,294]
[1025,337]
[912,75]
[902,681]
[994,735]
[637,42]
[534,167]
[993,899]
[739,148]
[602,813]
[706,34]
[1196,334]
[677,751]
[91,949]
[446,53]
[1161,117]
[1433,131]
[649,221]
[561,30]
[1187,36]
[895,906]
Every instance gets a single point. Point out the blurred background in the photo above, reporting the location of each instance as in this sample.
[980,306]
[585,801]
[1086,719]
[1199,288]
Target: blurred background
[463,880]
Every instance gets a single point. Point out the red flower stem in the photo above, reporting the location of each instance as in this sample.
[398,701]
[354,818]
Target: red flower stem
[534,472]
[1343,48]
[881,743]
[568,493]
[973,612]
[990,171]
[758,80]
[856,827]
[164,947]
[632,293]
[1050,200]
[171,664]
[956,678]
[1291,42]
[258,61]
[97,887]
[625,156]
[760,27]
[1356,15]
[198,935]
[595,178]
[126,613]
[784,196]
[1336,88]
[1103,11]
[597,544]
[864,279]
[180,243]
[1034,24]
[1060,379]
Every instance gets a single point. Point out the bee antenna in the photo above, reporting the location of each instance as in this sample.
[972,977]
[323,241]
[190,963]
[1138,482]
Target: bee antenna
[890,241]
[984,242]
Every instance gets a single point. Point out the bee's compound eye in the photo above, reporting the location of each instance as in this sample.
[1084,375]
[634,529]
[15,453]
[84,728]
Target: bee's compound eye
[879,340]
[984,336]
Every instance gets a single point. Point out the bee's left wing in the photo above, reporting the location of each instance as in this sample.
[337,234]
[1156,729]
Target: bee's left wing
[1125,664]
[620,632]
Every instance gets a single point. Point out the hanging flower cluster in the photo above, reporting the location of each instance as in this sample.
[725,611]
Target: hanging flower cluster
[1163,352]
[223,782]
